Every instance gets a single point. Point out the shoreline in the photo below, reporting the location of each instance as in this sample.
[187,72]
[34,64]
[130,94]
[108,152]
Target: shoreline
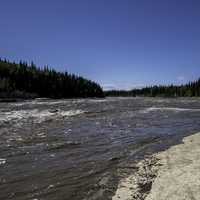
[172,174]
[11,100]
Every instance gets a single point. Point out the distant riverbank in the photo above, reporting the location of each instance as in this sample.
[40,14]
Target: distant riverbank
[171,174]
[16,96]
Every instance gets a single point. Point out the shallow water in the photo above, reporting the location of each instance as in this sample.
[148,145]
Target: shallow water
[72,149]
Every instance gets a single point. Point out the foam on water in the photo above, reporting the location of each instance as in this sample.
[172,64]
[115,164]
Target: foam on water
[97,100]
[152,109]
[57,102]
[38,116]
[2,161]
[36,102]
[70,113]
[19,115]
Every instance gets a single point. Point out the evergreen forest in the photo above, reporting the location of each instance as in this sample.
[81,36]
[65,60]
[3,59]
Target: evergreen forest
[191,89]
[28,81]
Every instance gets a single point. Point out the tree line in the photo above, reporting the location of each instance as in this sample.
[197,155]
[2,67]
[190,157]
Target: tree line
[192,89]
[28,80]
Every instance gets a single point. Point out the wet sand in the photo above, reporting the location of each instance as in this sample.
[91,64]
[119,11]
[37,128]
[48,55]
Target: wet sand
[173,174]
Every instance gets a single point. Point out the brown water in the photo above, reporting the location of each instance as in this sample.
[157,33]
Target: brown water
[72,149]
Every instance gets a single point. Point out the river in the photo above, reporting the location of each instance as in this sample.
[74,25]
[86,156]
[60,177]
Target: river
[77,148]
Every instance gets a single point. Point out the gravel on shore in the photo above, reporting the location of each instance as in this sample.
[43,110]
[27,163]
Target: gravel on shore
[173,174]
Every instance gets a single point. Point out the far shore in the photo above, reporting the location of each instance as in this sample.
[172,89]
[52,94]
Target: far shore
[20,99]
[173,174]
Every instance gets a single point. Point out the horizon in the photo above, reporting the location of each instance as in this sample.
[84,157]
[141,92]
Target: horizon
[120,45]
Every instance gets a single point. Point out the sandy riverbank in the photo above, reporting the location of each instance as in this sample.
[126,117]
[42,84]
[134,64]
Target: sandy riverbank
[173,174]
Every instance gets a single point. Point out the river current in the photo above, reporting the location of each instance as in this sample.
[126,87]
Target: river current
[74,149]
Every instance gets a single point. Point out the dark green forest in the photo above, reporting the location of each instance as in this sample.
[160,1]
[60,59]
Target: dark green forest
[28,81]
[191,89]
[22,80]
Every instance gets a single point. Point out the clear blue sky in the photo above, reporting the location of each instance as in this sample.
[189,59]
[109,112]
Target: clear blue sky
[118,43]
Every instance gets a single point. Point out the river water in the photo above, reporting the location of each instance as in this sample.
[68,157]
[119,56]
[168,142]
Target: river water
[73,149]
